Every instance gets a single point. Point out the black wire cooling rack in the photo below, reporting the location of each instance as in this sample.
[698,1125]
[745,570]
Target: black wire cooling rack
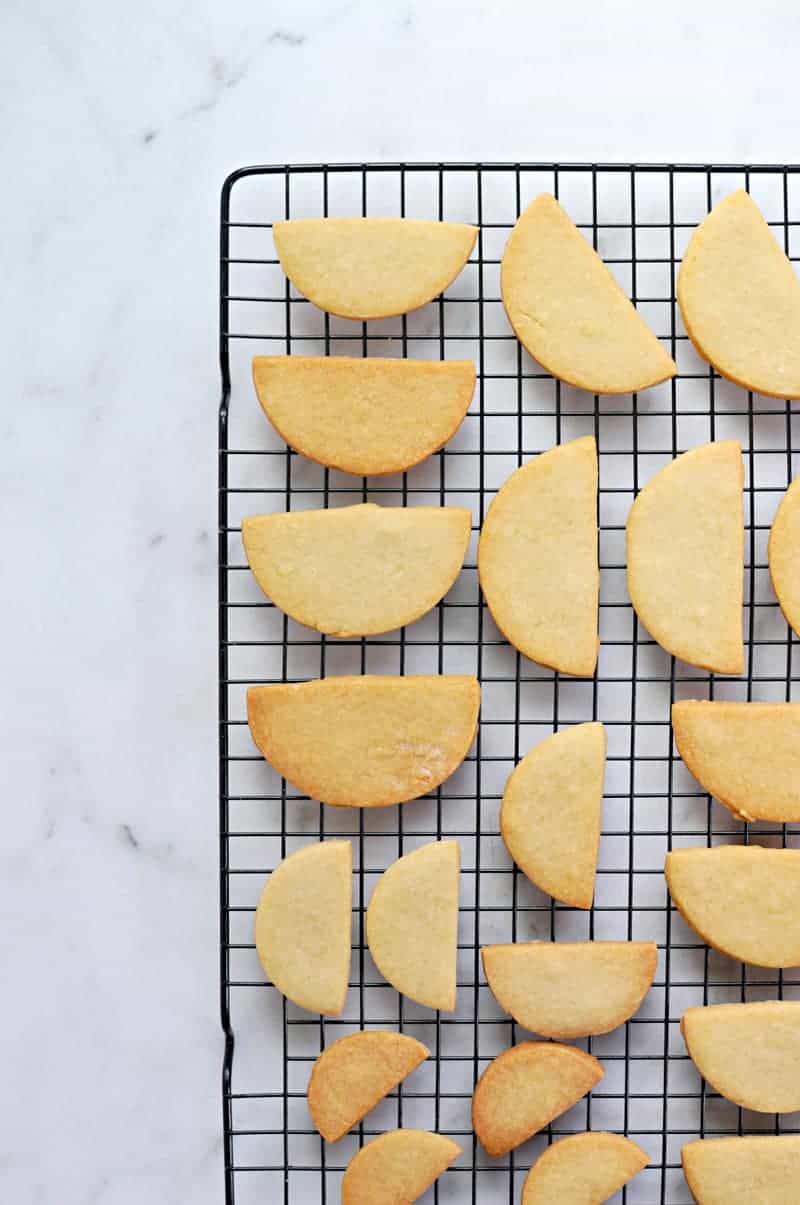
[639,217]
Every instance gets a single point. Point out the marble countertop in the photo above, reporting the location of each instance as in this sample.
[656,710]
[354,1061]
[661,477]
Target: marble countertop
[120,124]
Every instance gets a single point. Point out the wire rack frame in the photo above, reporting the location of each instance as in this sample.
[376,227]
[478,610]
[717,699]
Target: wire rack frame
[639,217]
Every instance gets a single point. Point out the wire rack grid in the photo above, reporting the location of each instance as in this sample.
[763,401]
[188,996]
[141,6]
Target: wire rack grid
[639,217]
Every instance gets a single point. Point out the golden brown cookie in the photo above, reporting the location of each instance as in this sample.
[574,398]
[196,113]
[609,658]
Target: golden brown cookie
[397,1167]
[570,989]
[550,814]
[784,555]
[741,899]
[412,924]
[537,558]
[568,310]
[745,754]
[364,416]
[351,1076]
[525,1087]
[584,1169]
[303,923]
[372,267]
[368,740]
[740,299]
[750,1053]
[357,570]
[728,1171]
[685,541]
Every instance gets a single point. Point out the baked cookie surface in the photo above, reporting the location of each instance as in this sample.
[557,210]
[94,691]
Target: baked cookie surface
[303,923]
[740,299]
[568,310]
[538,560]
[685,542]
[365,416]
[365,740]
[372,267]
[357,570]
[551,809]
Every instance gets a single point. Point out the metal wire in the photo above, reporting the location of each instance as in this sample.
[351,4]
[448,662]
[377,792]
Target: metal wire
[639,217]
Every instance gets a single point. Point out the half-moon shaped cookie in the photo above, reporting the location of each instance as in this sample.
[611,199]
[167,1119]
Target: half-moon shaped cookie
[537,558]
[412,924]
[745,754]
[372,267]
[685,540]
[740,299]
[760,1168]
[749,1053]
[367,740]
[352,1075]
[584,1169]
[570,989]
[357,570]
[744,900]
[784,555]
[303,923]
[525,1087]
[568,310]
[364,416]
[550,814]
[396,1168]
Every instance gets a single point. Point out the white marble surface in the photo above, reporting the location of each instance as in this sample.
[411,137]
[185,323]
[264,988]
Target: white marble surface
[118,125]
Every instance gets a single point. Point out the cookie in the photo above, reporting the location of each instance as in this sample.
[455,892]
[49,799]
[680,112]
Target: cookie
[741,899]
[368,740]
[685,540]
[740,299]
[550,813]
[727,1171]
[396,1168]
[357,570]
[364,416]
[412,924]
[570,989]
[351,1076]
[568,311]
[525,1087]
[749,1053]
[745,754]
[537,558]
[303,923]
[372,267]
[584,1169]
[783,554]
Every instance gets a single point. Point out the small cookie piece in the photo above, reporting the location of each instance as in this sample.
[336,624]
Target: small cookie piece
[550,814]
[740,299]
[584,1169]
[745,754]
[685,538]
[725,1171]
[303,923]
[364,416]
[351,1076]
[357,570]
[367,740]
[570,989]
[568,310]
[750,1053]
[396,1168]
[783,554]
[741,899]
[525,1087]
[537,558]
[372,267]
[412,924]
